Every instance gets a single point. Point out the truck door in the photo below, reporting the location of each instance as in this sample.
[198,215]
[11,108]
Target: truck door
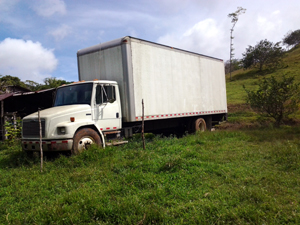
[107,110]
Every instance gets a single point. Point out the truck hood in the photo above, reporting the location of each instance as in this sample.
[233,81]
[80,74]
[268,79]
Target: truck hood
[61,110]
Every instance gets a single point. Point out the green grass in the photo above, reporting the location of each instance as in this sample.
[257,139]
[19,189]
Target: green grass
[223,177]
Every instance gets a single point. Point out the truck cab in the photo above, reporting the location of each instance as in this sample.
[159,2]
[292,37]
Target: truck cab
[82,114]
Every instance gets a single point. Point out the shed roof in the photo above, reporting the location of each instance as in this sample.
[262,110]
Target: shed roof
[6,95]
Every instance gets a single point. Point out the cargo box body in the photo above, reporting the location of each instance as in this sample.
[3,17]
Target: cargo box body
[173,83]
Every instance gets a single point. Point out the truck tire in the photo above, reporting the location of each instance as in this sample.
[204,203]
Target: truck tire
[200,125]
[83,139]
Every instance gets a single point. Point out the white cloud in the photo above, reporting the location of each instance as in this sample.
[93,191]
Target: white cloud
[6,5]
[26,59]
[269,25]
[205,37]
[47,8]
[61,32]
[132,32]
[253,27]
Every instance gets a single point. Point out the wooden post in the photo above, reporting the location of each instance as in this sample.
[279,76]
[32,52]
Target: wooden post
[143,136]
[41,146]
[2,120]
[15,119]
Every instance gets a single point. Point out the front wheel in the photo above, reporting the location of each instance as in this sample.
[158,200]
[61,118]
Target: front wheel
[83,139]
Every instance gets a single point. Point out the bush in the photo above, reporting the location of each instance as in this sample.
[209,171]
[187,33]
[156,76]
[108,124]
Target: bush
[13,131]
[275,99]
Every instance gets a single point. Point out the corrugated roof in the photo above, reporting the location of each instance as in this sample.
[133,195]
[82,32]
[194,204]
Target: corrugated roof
[34,92]
[6,95]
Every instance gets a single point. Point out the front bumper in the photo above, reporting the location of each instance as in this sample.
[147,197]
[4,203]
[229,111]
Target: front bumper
[58,145]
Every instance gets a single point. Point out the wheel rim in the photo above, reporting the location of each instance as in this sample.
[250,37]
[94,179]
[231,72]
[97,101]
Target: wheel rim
[201,127]
[84,143]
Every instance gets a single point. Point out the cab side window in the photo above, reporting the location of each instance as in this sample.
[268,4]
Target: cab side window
[105,93]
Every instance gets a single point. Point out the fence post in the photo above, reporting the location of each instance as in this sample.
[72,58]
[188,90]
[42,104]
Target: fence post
[41,144]
[143,136]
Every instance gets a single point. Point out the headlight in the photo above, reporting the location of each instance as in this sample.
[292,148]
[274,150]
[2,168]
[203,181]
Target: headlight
[61,130]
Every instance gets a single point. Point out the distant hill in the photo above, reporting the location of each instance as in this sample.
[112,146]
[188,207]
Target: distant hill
[250,78]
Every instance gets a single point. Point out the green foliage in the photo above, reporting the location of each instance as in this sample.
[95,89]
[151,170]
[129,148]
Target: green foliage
[264,54]
[275,98]
[10,81]
[237,177]
[13,131]
[50,82]
[292,38]
[235,65]
[33,86]
[235,16]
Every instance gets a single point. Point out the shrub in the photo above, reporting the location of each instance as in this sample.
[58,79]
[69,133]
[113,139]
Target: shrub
[274,98]
[13,131]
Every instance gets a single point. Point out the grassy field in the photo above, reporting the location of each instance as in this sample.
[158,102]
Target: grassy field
[246,172]
[222,177]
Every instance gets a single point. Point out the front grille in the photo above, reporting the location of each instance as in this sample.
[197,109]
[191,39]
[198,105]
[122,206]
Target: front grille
[31,128]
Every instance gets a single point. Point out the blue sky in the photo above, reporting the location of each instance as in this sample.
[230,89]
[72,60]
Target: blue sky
[40,38]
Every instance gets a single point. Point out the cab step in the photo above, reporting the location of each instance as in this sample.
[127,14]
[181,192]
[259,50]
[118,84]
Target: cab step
[112,135]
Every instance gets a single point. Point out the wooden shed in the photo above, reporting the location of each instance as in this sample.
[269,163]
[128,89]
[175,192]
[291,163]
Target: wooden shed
[20,104]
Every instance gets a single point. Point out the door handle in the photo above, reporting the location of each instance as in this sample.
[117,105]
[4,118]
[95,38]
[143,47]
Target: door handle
[117,115]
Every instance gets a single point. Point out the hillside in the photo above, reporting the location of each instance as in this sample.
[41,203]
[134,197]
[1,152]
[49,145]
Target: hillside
[250,78]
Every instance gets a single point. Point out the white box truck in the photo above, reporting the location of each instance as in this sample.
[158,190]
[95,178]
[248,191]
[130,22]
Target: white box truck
[179,89]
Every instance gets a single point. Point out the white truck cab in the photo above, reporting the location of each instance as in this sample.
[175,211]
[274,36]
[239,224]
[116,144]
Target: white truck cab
[82,113]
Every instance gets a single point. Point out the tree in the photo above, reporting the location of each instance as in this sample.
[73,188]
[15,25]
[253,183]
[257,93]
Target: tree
[235,65]
[52,82]
[32,85]
[275,98]
[8,80]
[234,18]
[263,54]
[292,38]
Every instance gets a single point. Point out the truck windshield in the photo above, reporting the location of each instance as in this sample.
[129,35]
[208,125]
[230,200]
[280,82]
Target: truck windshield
[74,94]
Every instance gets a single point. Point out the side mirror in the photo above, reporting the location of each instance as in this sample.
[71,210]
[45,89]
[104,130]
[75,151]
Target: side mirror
[111,100]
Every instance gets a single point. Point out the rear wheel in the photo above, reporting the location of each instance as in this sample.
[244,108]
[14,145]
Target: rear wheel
[200,125]
[83,139]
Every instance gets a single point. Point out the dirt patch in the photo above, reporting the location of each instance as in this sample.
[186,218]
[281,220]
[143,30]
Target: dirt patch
[237,126]
[254,125]
[238,107]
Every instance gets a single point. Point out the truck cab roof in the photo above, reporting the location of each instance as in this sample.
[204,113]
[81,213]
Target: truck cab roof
[94,81]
